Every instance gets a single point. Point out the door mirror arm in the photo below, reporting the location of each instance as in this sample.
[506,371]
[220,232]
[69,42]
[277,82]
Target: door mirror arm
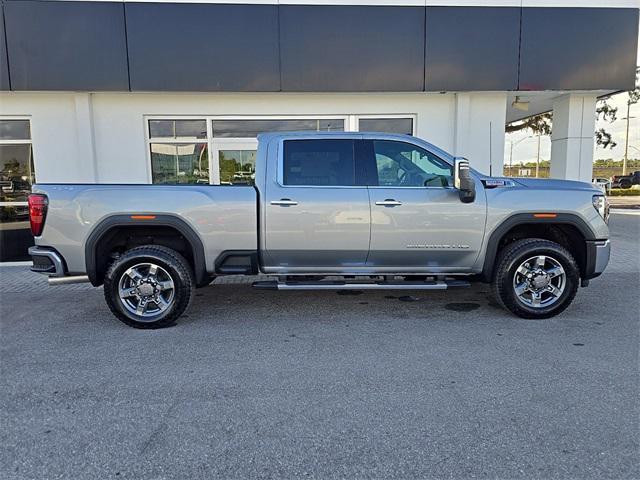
[464,181]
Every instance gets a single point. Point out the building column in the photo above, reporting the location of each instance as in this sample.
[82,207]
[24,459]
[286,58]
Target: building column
[479,130]
[85,135]
[574,123]
[461,126]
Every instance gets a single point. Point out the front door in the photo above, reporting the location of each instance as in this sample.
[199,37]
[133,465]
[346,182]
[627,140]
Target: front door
[317,210]
[417,219]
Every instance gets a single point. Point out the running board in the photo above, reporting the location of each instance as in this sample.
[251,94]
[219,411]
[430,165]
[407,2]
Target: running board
[328,285]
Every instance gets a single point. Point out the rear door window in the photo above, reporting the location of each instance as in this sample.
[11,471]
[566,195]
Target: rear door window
[320,162]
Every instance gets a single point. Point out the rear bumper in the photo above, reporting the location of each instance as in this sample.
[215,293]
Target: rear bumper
[598,253]
[47,261]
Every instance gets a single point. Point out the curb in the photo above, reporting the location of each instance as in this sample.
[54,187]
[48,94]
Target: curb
[622,206]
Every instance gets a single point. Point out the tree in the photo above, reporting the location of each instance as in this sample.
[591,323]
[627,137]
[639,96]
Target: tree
[539,124]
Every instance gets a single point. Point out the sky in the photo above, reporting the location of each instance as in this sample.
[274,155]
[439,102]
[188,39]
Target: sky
[526,150]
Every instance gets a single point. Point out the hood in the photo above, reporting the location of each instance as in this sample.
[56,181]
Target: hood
[554,184]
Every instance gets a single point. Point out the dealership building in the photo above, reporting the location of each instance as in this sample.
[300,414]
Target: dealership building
[177,91]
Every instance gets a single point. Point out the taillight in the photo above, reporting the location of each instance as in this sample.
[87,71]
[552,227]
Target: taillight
[38,204]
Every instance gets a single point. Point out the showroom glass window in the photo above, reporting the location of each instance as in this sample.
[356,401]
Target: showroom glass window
[387,125]
[222,150]
[179,151]
[17,175]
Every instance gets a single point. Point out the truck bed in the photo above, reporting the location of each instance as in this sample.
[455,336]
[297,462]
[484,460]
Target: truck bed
[224,217]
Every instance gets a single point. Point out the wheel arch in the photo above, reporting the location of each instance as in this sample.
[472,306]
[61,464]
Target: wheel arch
[102,233]
[567,229]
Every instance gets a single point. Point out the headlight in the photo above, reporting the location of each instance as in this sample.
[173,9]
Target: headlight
[601,204]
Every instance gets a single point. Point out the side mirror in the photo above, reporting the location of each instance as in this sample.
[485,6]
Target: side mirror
[463,181]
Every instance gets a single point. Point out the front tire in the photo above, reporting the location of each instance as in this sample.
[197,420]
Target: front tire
[535,278]
[149,286]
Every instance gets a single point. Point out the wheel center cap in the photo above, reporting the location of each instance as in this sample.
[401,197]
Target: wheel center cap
[540,281]
[146,289]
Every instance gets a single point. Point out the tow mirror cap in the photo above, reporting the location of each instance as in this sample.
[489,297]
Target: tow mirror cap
[463,181]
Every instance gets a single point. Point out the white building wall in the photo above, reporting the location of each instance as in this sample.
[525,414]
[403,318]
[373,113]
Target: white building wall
[55,134]
[101,137]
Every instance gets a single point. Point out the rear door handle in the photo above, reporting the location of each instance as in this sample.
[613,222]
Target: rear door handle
[284,202]
[389,202]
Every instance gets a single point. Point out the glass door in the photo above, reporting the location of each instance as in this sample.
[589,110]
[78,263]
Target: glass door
[233,161]
[16,177]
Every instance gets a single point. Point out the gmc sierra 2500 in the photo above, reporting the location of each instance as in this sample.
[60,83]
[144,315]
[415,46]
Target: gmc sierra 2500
[327,211]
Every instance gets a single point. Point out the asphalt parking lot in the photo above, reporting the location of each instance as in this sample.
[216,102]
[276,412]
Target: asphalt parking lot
[266,384]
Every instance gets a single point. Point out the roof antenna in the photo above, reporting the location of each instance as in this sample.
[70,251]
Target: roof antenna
[490,152]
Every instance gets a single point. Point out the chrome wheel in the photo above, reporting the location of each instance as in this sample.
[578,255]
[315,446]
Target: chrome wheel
[539,281]
[146,290]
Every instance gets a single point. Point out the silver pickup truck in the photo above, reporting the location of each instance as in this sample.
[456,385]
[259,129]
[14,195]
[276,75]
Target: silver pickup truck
[327,211]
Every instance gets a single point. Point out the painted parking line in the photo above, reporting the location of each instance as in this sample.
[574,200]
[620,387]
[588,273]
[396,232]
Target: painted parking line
[16,264]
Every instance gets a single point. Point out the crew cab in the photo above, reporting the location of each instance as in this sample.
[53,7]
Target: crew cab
[327,211]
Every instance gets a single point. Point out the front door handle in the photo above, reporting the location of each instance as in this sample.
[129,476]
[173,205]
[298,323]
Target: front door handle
[284,202]
[389,202]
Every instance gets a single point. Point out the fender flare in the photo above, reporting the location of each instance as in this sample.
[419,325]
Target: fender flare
[527,219]
[160,220]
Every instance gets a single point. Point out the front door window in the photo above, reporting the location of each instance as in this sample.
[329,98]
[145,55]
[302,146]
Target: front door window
[401,164]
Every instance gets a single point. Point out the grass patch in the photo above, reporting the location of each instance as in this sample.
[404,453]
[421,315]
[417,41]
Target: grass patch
[625,192]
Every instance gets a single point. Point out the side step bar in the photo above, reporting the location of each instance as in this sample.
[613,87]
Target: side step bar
[339,285]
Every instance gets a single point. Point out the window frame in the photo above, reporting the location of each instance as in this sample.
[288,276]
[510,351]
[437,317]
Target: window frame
[351,125]
[20,142]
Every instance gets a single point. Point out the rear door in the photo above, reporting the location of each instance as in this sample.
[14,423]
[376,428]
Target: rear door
[418,222]
[317,214]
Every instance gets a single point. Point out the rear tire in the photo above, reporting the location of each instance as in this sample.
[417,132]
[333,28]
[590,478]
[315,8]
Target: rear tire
[149,287]
[535,278]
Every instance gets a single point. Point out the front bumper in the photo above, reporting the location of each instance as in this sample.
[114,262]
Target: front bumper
[47,261]
[598,253]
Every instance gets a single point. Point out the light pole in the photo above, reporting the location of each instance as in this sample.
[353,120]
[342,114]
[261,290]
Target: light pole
[511,151]
[626,141]
[538,158]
